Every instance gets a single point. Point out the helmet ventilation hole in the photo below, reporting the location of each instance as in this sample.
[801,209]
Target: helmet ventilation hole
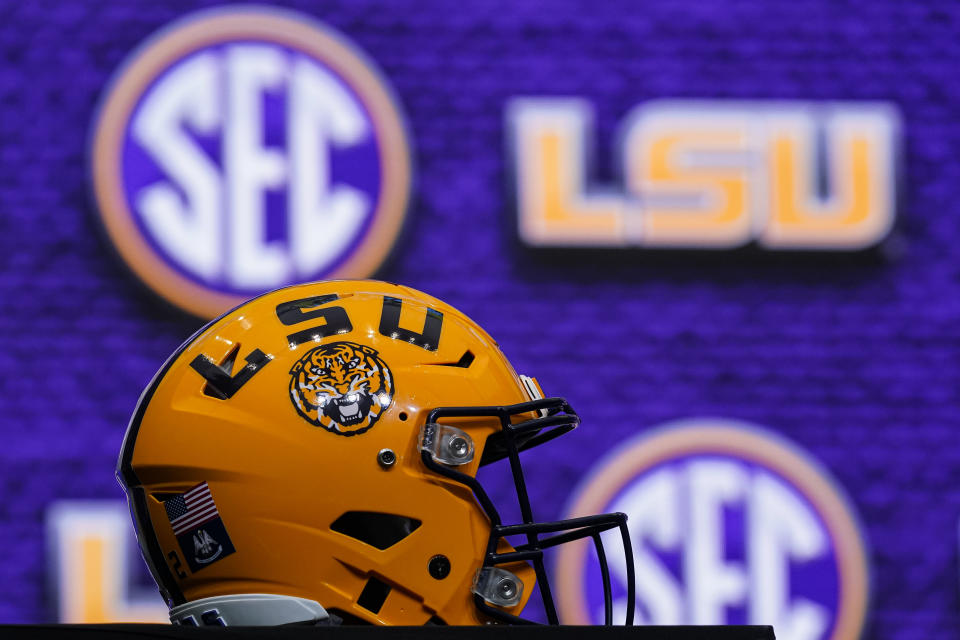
[403,415]
[227,366]
[464,362]
[373,596]
[380,530]
[439,567]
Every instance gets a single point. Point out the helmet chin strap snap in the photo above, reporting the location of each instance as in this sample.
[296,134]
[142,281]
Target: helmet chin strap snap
[250,609]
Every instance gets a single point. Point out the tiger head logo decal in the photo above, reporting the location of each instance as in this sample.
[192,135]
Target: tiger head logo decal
[342,387]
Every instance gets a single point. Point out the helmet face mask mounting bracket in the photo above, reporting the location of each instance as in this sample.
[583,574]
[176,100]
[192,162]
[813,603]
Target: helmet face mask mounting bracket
[556,418]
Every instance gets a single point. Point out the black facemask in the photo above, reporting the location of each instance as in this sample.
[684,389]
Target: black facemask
[556,418]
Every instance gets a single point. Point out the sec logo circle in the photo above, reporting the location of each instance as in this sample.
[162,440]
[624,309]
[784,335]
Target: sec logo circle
[729,524]
[245,149]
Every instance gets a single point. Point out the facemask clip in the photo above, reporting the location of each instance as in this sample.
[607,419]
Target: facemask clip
[498,586]
[447,445]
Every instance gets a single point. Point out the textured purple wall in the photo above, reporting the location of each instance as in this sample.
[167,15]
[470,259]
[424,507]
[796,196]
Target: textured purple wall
[856,361]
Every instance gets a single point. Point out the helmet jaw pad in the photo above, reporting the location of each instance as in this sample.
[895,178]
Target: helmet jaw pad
[250,610]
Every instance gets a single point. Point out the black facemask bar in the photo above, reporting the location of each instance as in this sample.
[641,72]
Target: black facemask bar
[556,418]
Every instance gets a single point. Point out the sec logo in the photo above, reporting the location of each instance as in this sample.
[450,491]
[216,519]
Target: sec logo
[245,149]
[729,525]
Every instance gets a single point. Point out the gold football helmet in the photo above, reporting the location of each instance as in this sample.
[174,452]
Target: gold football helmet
[311,457]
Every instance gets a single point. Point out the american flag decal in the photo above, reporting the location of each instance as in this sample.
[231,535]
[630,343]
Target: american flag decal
[191,509]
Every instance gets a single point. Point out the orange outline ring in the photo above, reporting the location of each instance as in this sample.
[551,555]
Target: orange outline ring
[216,26]
[737,439]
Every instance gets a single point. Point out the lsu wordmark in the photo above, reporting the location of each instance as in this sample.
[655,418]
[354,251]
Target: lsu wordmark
[708,175]
[92,559]
[729,525]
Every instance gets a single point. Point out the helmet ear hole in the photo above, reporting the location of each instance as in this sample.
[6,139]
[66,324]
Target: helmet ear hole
[380,530]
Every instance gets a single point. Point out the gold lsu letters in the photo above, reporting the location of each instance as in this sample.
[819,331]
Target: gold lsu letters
[709,174]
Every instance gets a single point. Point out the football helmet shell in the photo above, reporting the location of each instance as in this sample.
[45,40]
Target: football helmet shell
[311,416]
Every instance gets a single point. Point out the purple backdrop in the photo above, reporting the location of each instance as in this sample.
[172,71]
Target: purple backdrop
[854,360]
